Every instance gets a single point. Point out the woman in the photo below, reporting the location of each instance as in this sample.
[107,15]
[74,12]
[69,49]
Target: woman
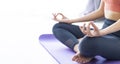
[104,42]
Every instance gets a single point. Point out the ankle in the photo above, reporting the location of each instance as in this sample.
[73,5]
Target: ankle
[76,48]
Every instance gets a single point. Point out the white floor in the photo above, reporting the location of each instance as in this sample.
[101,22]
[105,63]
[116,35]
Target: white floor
[21,24]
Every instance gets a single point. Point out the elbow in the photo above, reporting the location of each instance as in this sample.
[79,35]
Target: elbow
[100,12]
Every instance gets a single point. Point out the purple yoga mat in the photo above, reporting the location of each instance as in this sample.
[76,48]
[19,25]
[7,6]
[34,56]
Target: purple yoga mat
[63,54]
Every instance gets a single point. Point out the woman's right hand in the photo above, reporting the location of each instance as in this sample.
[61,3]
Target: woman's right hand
[63,19]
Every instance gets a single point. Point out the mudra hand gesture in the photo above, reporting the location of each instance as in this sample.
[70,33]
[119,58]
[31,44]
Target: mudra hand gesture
[63,19]
[90,33]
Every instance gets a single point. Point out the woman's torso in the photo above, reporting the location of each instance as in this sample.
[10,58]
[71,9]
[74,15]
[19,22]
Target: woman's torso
[112,9]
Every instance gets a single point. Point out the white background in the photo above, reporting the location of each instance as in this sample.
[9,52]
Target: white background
[23,21]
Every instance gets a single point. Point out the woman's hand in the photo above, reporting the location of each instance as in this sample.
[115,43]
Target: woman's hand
[63,19]
[91,33]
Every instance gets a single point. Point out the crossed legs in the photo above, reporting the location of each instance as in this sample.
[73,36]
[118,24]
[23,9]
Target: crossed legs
[88,47]
[69,35]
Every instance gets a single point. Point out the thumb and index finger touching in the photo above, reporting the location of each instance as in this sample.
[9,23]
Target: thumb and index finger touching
[57,14]
[94,26]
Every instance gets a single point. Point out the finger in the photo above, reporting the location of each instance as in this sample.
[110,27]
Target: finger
[84,26]
[94,26]
[62,15]
[88,30]
[82,29]
[54,15]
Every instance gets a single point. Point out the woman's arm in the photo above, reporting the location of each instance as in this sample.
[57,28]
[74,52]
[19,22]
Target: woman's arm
[112,28]
[91,16]
[96,32]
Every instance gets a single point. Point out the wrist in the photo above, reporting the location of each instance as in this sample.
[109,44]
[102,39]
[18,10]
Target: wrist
[102,32]
[71,21]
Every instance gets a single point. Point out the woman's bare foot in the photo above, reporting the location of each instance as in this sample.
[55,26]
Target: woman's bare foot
[81,59]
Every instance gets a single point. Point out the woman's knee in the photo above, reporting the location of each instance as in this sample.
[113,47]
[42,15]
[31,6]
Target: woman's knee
[58,26]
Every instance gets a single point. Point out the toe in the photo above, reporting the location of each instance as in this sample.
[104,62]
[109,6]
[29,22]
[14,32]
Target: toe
[74,58]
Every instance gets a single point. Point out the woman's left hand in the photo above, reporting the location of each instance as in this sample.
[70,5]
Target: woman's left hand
[90,33]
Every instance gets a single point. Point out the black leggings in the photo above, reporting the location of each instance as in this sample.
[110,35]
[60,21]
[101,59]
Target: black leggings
[107,46]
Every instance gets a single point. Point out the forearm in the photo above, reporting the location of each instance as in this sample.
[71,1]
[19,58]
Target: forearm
[89,17]
[112,28]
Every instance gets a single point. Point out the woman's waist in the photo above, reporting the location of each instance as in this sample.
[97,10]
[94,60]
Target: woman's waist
[112,15]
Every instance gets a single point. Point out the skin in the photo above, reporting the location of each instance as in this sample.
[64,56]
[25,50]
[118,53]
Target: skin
[95,32]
